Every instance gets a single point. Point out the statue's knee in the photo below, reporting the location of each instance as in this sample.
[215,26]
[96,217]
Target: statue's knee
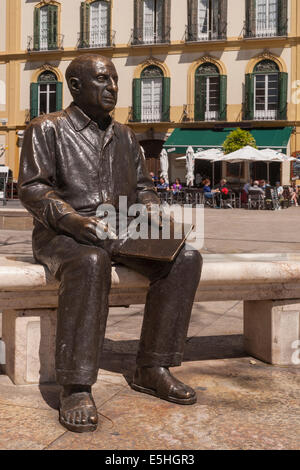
[192,259]
[95,260]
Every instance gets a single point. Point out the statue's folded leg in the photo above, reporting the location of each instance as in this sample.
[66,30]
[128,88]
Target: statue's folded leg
[167,315]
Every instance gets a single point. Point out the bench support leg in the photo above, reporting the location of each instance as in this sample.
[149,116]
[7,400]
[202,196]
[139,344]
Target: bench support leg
[272,331]
[29,337]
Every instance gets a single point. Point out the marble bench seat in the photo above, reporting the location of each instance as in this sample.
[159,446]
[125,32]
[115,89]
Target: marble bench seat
[268,284]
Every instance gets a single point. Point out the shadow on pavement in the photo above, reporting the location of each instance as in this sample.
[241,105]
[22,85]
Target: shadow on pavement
[119,356]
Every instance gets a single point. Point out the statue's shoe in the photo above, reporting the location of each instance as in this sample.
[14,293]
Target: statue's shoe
[78,412]
[159,382]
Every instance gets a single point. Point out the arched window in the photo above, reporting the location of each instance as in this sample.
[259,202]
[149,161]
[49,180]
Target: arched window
[151,21]
[46,28]
[152,90]
[46,94]
[266,92]
[151,96]
[95,24]
[210,93]
[265,18]
[207,19]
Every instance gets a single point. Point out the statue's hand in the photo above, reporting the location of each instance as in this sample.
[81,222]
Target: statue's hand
[83,229]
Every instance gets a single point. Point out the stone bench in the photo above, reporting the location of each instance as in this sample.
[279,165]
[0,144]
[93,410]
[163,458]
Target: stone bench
[269,286]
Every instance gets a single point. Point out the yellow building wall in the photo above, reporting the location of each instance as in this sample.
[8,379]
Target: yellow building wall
[17,67]
[2,25]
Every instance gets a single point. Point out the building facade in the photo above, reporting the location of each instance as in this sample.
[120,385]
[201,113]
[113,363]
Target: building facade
[189,70]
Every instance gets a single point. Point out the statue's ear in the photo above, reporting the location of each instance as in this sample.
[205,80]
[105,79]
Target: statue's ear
[74,85]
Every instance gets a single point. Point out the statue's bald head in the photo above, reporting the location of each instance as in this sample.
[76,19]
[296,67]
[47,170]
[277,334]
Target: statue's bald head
[81,67]
[93,83]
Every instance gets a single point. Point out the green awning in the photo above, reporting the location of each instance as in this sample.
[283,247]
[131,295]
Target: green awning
[181,139]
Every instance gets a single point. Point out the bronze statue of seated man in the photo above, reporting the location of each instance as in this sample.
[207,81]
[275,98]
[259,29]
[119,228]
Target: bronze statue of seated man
[72,162]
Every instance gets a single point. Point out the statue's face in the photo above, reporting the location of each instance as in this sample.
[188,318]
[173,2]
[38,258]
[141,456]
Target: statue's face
[99,87]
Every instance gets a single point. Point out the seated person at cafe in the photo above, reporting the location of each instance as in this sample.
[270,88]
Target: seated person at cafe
[263,184]
[294,194]
[208,192]
[154,178]
[257,188]
[245,191]
[223,193]
[279,190]
[162,184]
[177,186]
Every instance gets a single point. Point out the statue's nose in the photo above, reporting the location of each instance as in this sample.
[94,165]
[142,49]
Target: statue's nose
[113,85]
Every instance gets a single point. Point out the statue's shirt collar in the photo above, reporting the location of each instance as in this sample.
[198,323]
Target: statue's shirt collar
[81,122]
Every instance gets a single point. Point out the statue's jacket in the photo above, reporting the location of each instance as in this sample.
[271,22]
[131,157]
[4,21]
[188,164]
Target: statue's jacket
[67,165]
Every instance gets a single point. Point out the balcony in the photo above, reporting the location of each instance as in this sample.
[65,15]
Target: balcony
[43,43]
[189,115]
[149,114]
[96,40]
[192,34]
[149,37]
[260,114]
[262,30]
[266,115]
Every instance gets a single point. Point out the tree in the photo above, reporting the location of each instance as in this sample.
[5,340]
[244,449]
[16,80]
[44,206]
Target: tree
[238,139]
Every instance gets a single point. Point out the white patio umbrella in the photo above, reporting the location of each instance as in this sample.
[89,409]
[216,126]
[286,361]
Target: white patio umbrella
[276,156]
[272,155]
[286,158]
[211,155]
[245,154]
[190,166]
[164,165]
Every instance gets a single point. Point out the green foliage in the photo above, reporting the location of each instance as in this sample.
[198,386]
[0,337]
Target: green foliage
[238,139]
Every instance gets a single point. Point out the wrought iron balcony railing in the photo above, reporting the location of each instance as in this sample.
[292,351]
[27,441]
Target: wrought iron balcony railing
[260,115]
[190,114]
[96,40]
[192,34]
[264,31]
[43,43]
[266,115]
[148,36]
[149,114]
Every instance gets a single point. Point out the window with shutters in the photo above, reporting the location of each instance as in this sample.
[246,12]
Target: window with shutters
[266,18]
[95,24]
[99,23]
[207,93]
[46,94]
[152,22]
[45,35]
[266,90]
[151,94]
[43,32]
[207,20]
